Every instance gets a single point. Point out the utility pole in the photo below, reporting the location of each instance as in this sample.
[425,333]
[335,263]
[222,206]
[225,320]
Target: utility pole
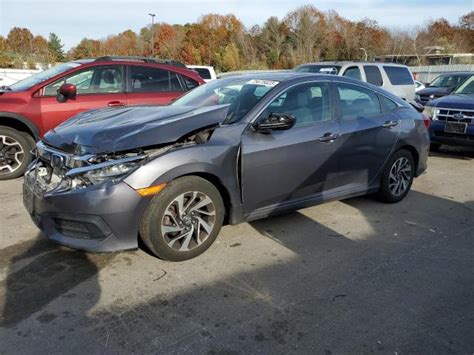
[152,34]
[365,52]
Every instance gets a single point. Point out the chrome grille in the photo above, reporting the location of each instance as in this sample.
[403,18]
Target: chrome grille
[454,115]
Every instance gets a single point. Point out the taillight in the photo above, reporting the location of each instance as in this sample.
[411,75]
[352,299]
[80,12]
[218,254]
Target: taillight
[426,120]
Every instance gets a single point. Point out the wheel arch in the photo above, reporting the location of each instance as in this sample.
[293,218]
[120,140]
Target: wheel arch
[414,153]
[19,123]
[220,186]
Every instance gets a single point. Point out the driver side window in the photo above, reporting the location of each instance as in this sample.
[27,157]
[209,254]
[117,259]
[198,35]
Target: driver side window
[308,103]
[97,80]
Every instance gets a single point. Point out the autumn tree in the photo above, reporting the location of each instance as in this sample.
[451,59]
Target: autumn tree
[40,52]
[19,41]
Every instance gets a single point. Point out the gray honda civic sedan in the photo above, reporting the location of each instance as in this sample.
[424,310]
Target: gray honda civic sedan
[233,150]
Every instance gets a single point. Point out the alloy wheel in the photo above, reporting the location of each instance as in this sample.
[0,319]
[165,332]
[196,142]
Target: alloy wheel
[188,221]
[12,155]
[400,176]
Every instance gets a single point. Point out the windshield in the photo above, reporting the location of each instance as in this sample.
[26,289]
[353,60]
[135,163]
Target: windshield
[241,93]
[448,81]
[467,88]
[322,69]
[27,83]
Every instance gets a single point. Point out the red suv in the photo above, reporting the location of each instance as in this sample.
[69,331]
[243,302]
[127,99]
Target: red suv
[31,107]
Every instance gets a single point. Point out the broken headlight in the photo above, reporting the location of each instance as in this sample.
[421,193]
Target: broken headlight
[110,170]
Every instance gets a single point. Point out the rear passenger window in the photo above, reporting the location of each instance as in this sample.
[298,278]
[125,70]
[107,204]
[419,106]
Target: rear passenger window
[147,79]
[372,73]
[399,75]
[387,104]
[357,102]
[353,72]
[190,83]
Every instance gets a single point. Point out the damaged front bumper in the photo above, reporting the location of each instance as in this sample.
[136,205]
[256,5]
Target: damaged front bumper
[98,217]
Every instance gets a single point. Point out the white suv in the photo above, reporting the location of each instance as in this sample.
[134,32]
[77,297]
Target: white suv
[207,73]
[392,77]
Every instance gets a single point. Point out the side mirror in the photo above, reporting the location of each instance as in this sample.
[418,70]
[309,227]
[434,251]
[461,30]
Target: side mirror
[275,121]
[66,92]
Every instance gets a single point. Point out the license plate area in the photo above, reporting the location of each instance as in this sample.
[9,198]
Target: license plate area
[455,127]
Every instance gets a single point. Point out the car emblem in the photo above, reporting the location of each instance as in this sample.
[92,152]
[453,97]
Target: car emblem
[458,116]
[432,97]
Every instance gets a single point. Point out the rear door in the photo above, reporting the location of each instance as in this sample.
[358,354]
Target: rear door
[97,87]
[150,85]
[282,167]
[373,75]
[368,135]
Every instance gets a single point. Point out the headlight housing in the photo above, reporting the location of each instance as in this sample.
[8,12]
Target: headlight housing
[431,112]
[111,172]
[417,97]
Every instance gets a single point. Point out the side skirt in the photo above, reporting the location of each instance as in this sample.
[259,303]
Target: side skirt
[308,202]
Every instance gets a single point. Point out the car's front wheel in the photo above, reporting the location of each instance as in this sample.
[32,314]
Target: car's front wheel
[15,153]
[183,220]
[397,177]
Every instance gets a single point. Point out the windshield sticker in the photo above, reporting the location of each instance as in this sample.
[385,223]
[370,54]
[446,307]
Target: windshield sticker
[270,83]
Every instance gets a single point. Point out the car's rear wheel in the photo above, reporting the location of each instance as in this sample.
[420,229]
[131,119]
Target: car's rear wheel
[397,177]
[183,220]
[15,153]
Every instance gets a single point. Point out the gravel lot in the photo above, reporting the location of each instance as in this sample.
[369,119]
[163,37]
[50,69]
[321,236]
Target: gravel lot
[351,276]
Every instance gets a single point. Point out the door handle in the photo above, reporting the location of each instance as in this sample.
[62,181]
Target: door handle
[390,124]
[115,103]
[328,138]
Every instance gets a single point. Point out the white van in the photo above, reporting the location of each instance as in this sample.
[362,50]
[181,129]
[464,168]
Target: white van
[392,77]
[207,73]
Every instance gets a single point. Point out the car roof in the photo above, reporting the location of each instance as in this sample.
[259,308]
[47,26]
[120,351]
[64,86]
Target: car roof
[143,61]
[460,73]
[294,76]
[200,66]
[347,62]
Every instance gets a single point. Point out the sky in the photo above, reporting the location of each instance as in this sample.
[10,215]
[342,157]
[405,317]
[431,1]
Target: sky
[73,20]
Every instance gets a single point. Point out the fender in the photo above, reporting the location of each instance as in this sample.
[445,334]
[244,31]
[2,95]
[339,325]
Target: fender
[30,125]
[220,164]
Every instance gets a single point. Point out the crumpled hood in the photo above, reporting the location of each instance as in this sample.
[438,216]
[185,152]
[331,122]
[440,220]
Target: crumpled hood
[125,128]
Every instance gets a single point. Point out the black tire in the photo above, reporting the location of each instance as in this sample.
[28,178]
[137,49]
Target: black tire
[434,147]
[387,185]
[21,142]
[154,217]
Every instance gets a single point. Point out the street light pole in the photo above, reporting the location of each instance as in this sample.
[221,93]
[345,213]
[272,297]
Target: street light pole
[152,34]
[365,52]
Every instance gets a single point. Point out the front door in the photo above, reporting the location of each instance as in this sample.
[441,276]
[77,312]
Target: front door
[97,87]
[282,167]
[368,135]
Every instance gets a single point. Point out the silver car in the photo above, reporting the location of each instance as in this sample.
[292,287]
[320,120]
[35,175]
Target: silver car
[394,78]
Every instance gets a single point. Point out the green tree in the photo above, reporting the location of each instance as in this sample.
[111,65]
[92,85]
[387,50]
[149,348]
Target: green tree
[55,48]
